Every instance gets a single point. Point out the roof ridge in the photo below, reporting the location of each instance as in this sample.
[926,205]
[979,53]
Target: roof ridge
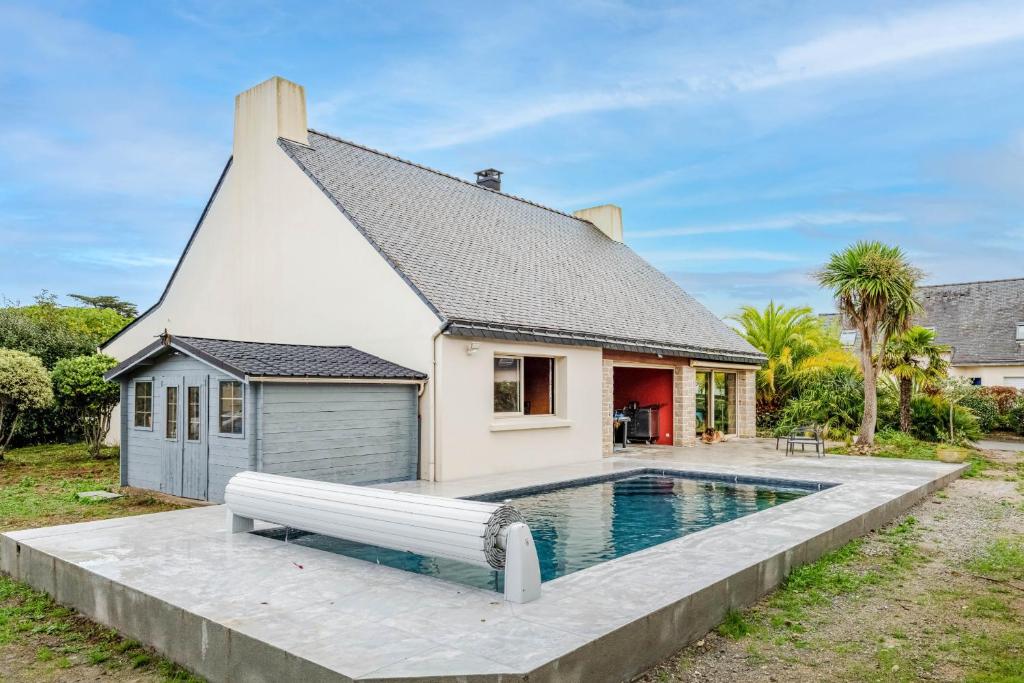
[249,341]
[445,175]
[973,282]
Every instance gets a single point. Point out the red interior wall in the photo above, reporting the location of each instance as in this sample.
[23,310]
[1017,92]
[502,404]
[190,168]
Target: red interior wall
[646,386]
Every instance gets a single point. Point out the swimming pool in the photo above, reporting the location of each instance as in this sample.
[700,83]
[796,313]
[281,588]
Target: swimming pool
[579,524]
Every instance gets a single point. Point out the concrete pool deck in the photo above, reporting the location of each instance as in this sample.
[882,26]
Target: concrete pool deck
[250,608]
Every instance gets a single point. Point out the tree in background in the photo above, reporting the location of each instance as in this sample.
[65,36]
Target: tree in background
[80,388]
[796,343]
[914,358]
[52,332]
[125,309]
[874,288]
[24,384]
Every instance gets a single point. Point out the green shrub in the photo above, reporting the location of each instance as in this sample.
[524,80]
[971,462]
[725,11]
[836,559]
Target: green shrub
[831,397]
[1015,418]
[930,420]
[986,408]
[80,388]
[24,384]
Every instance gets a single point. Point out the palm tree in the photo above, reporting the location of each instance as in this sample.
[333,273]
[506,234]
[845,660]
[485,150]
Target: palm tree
[914,357]
[874,289]
[790,337]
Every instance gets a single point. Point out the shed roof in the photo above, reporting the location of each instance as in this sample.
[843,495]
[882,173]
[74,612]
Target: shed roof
[255,360]
[492,264]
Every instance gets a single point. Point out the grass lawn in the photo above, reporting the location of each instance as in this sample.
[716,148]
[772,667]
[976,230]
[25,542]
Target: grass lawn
[39,639]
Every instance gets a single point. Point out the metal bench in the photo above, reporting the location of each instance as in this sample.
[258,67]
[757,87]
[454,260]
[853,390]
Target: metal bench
[808,435]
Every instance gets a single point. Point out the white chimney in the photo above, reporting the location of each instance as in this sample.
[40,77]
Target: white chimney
[607,218]
[276,108]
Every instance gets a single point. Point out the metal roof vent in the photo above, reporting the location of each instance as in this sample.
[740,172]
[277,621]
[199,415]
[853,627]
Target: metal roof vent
[489,178]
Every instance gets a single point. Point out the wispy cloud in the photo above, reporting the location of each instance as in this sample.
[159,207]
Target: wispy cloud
[684,256]
[887,42]
[118,259]
[803,220]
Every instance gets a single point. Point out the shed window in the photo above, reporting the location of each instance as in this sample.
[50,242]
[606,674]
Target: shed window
[144,405]
[1020,332]
[192,414]
[524,385]
[171,420]
[230,407]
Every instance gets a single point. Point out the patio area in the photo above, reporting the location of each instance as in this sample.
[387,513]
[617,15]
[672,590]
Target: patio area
[246,607]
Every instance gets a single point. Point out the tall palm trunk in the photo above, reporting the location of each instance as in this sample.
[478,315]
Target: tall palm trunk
[867,423]
[906,388]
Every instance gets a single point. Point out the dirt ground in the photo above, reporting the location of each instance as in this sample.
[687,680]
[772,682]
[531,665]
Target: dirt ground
[937,596]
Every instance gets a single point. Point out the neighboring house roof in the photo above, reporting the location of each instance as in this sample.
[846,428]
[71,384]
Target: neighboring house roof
[253,360]
[977,319]
[494,265]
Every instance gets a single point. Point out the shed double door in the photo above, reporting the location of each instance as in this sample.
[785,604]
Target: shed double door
[186,461]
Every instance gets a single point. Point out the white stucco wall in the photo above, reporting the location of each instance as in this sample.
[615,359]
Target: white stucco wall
[472,442]
[991,375]
[276,261]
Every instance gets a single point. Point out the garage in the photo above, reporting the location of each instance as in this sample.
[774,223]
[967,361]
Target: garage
[196,411]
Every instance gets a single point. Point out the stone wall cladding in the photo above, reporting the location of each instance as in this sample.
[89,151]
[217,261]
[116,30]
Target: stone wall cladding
[607,398]
[746,403]
[684,386]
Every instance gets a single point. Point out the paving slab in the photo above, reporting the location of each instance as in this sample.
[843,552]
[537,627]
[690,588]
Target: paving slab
[245,607]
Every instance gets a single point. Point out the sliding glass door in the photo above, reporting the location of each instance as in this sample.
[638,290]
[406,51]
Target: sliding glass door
[714,401]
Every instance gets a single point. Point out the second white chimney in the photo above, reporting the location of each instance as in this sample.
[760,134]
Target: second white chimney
[607,218]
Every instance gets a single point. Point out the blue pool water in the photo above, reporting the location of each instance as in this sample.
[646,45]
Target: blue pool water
[578,526]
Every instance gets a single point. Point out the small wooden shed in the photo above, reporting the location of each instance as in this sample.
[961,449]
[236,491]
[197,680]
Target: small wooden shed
[196,411]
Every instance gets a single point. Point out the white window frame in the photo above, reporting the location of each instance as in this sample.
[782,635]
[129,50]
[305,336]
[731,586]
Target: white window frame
[152,404]
[1020,332]
[220,388]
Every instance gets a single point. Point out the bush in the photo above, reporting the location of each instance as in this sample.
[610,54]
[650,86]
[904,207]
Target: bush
[994,407]
[831,397]
[80,388]
[986,408]
[1015,419]
[24,384]
[930,420]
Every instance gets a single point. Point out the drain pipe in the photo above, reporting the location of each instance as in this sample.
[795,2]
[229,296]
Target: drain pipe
[432,460]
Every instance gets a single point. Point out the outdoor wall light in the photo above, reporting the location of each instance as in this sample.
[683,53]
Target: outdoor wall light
[472,347]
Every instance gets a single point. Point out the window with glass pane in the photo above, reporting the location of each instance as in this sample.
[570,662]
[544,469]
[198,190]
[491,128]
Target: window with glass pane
[144,404]
[1020,331]
[171,421]
[721,403]
[508,374]
[230,407]
[702,401]
[192,414]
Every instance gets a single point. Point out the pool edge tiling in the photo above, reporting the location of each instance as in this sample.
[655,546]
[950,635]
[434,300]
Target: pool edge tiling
[241,607]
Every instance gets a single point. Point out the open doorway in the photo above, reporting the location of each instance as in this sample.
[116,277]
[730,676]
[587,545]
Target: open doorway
[644,395]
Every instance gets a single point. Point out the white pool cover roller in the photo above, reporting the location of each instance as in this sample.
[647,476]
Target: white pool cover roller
[485,534]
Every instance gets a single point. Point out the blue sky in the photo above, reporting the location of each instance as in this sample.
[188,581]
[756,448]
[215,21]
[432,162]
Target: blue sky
[744,141]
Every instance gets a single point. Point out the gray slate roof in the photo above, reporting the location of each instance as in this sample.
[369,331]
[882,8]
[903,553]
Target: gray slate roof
[977,319]
[492,264]
[245,359]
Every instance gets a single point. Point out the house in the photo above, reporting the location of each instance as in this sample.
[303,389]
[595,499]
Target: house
[982,323]
[530,326]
